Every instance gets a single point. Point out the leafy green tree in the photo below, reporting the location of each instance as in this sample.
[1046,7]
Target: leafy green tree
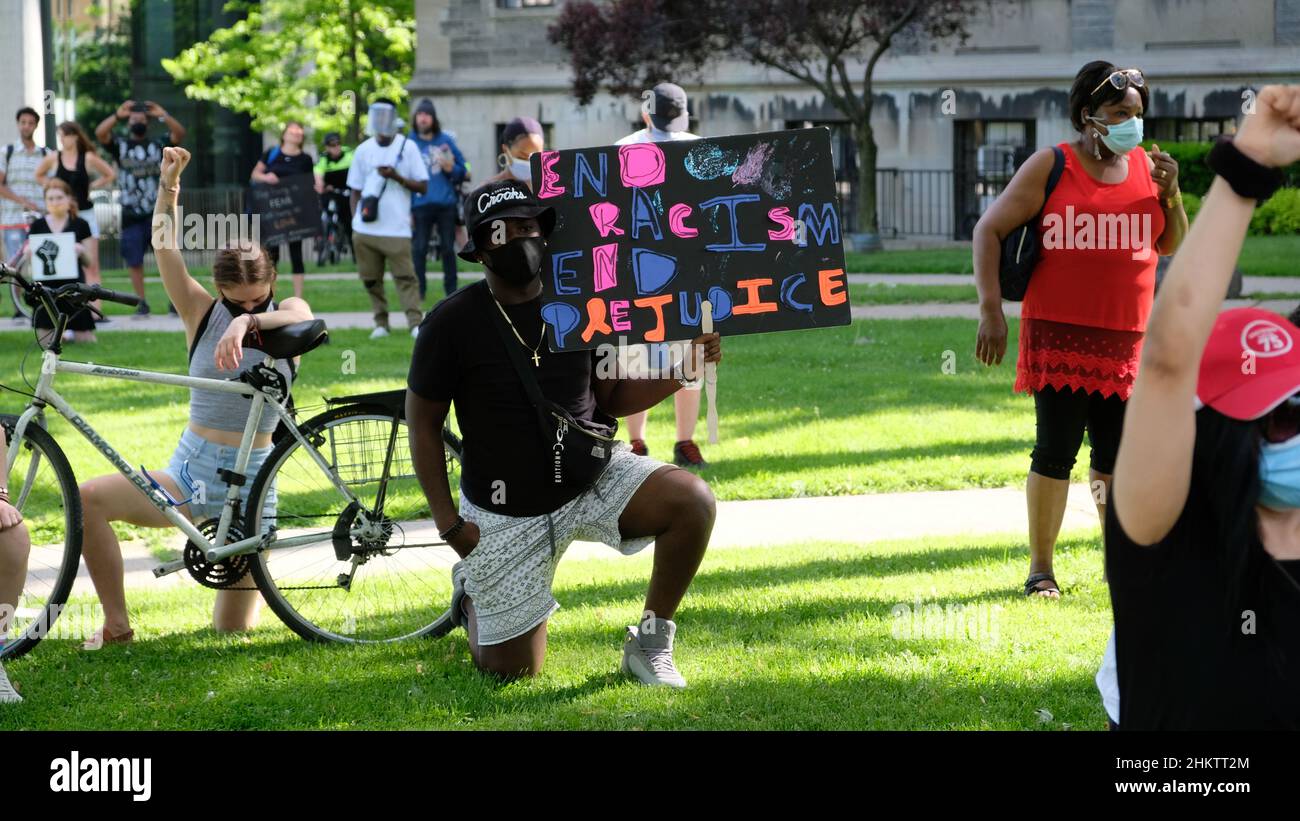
[317,62]
[95,63]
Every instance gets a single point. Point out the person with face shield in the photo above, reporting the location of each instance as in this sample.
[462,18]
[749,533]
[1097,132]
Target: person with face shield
[520,139]
[138,158]
[1203,526]
[386,170]
[541,467]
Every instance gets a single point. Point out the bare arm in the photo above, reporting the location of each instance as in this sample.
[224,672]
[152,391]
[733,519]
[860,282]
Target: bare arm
[104,131]
[625,395]
[107,174]
[424,420]
[190,298]
[45,167]
[1154,467]
[1016,205]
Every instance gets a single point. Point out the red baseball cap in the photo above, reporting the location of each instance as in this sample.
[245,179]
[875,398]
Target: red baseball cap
[1251,363]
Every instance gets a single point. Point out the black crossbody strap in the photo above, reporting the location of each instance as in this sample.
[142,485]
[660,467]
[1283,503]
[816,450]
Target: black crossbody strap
[513,349]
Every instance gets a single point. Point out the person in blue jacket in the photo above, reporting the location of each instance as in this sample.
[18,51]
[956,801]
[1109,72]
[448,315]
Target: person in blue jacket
[437,206]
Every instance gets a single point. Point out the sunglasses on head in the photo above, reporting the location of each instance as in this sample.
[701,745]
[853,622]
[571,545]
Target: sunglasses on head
[1121,79]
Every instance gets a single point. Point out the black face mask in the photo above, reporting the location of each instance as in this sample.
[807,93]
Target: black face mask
[518,261]
[139,129]
[236,309]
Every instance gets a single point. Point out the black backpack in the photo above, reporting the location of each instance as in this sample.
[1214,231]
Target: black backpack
[1020,249]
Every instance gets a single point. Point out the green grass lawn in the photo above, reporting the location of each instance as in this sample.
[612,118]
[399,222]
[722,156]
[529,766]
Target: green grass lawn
[884,293]
[806,636]
[856,409]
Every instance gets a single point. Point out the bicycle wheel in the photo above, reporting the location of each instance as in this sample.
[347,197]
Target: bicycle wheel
[20,301]
[367,578]
[44,490]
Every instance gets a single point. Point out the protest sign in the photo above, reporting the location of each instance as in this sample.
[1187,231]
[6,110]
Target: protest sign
[647,232]
[289,209]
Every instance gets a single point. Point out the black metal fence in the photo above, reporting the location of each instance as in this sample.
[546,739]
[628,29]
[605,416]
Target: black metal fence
[914,202]
[220,210]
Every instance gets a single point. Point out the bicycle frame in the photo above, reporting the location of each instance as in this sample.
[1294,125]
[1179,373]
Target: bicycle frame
[217,549]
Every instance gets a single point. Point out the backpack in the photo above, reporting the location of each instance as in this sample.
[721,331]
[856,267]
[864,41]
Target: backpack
[1020,249]
[9,153]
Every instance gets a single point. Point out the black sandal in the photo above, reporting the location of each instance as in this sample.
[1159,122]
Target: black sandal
[1035,578]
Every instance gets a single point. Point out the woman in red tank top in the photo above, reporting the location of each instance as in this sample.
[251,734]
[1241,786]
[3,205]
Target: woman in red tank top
[1114,210]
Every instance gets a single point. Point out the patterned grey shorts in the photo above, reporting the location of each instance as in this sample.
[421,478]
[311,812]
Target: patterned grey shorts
[508,574]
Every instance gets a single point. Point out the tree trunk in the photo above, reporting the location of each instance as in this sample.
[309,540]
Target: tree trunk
[865,221]
[355,136]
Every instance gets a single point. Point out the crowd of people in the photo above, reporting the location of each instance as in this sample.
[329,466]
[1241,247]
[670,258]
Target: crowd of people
[1195,458]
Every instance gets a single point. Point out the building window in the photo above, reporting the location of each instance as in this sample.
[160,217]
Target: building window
[523,4]
[1187,129]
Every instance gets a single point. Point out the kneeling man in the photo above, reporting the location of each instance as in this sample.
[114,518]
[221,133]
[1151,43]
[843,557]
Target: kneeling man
[516,516]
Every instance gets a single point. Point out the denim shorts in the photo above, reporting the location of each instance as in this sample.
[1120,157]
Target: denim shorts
[137,237]
[204,459]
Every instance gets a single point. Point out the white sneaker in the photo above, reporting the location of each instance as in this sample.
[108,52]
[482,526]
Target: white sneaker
[379,332]
[8,695]
[415,332]
[648,654]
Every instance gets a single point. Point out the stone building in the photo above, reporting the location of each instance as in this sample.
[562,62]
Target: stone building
[486,61]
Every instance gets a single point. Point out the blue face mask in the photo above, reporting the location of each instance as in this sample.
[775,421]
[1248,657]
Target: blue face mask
[1279,474]
[1123,136]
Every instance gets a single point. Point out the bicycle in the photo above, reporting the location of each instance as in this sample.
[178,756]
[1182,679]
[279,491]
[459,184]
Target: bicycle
[17,262]
[335,240]
[341,485]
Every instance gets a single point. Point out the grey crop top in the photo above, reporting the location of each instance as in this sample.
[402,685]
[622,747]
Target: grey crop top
[226,411]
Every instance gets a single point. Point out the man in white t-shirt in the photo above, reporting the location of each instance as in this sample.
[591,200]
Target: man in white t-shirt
[665,115]
[19,190]
[385,170]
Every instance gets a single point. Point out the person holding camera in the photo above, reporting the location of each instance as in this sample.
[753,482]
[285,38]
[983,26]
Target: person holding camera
[385,170]
[139,157]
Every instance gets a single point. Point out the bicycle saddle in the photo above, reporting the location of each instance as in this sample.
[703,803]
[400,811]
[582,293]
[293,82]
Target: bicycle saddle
[394,400]
[294,340]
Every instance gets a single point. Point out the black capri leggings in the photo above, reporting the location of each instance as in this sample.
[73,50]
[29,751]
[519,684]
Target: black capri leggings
[1062,417]
[295,255]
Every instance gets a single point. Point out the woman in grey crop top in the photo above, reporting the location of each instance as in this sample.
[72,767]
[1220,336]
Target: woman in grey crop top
[215,329]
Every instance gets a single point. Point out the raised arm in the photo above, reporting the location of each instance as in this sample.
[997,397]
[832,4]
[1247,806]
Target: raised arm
[625,395]
[104,131]
[190,298]
[1016,205]
[1154,467]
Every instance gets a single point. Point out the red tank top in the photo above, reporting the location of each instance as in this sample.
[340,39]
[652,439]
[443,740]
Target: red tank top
[1098,262]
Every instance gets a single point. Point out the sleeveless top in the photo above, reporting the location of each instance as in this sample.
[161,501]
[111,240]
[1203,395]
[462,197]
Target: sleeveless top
[78,179]
[1086,308]
[227,411]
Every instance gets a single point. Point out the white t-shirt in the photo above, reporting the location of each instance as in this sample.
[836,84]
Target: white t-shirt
[654,135]
[395,204]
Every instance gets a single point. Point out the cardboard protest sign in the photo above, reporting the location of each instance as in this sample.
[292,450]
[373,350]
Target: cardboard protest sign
[54,257]
[646,232]
[290,209]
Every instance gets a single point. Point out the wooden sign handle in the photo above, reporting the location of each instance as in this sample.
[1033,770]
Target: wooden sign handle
[710,374]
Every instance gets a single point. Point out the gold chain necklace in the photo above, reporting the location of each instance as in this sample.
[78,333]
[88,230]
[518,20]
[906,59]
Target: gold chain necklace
[537,359]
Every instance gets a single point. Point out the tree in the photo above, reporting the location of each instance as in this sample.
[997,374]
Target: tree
[628,45]
[93,64]
[317,62]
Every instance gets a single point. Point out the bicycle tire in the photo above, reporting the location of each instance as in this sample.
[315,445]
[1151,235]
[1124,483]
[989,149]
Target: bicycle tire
[40,625]
[290,612]
[20,304]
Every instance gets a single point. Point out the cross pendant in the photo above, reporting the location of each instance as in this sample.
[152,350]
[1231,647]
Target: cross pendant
[537,360]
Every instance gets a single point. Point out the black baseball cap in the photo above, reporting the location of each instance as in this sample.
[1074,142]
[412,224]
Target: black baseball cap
[668,108]
[502,199]
[332,137]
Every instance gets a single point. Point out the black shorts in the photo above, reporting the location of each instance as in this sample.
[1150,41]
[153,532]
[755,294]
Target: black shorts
[1062,418]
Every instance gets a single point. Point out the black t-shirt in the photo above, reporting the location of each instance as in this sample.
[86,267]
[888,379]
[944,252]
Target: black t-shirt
[286,166]
[460,357]
[1184,661]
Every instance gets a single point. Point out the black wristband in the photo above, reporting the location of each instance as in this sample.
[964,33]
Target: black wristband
[453,530]
[1247,177]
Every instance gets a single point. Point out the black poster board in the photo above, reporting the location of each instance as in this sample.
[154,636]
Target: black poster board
[645,232]
[290,210]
